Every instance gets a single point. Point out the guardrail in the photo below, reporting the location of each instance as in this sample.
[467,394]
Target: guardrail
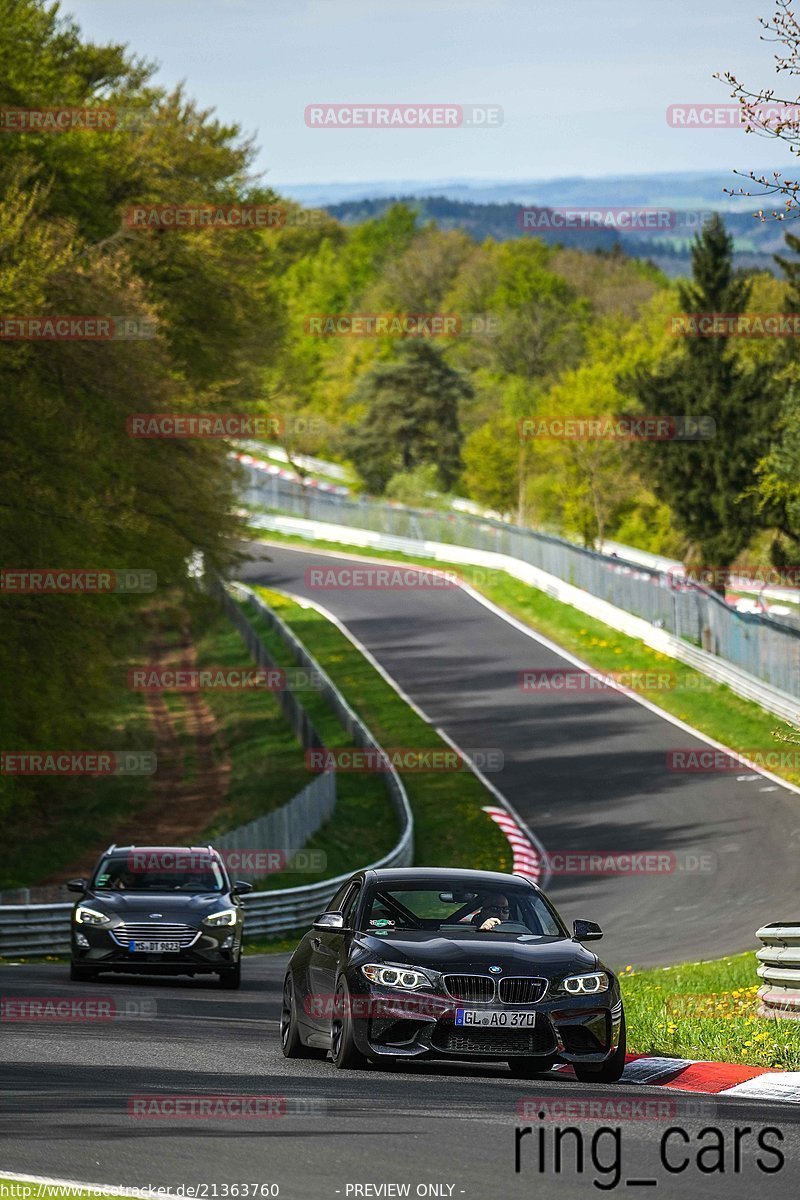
[772,699]
[34,930]
[779,958]
[766,649]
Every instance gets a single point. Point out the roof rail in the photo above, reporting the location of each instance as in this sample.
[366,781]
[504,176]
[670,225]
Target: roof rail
[113,846]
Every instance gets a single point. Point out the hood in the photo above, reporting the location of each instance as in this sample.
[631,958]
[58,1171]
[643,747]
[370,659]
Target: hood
[476,952]
[169,904]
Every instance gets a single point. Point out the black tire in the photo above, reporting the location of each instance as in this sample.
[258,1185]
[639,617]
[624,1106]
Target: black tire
[344,1052]
[292,1044]
[529,1068]
[81,974]
[611,1070]
[231,979]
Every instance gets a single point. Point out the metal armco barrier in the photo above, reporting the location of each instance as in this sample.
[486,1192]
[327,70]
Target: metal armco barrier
[779,958]
[34,930]
[764,648]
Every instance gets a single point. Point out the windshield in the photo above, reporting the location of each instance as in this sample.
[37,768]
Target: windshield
[458,911]
[126,875]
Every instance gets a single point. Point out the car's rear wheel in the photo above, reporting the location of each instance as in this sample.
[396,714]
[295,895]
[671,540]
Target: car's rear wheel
[81,974]
[610,1070]
[344,1052]
[529,1068]
[291,1042]
[231,978]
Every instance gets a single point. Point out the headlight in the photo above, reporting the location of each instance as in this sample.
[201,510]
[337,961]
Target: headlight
[90,916]
[226,916]
[408,978]
[585,985]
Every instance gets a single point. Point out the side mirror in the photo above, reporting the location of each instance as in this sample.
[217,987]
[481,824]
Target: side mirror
[329,922]
[586,931]
[241,888]
[77,885]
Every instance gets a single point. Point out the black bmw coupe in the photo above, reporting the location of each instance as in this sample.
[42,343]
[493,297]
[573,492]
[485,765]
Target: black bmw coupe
[435,963]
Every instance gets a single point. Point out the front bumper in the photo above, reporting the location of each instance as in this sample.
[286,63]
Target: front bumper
[568,1029]
[211,950]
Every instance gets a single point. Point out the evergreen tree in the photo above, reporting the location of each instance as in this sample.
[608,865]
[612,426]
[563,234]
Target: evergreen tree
[411,417]
[709,483]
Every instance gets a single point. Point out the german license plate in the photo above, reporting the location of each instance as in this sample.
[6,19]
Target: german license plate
[507,1019]
[155,947]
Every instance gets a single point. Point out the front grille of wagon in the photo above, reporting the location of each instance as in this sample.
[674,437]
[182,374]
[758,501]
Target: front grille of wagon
[156,931]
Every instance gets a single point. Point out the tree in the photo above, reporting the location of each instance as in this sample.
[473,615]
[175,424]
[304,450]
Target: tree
[78,492]
[766,115]
[411,417]
[491,462]
[779,480]
[708,483]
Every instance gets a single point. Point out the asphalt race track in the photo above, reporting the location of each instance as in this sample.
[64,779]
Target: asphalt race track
[67,1087]
[587,771]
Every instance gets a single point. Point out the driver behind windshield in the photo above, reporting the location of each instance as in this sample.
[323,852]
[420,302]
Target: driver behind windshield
[494,910]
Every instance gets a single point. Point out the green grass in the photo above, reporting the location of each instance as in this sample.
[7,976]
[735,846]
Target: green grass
[363,827]
[707,706]
[266,758]
[706,1011]
[450,828]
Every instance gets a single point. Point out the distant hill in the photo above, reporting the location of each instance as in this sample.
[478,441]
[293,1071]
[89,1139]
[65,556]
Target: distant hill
[491,209]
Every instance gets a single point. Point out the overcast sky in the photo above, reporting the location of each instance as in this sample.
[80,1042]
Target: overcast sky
[584,84]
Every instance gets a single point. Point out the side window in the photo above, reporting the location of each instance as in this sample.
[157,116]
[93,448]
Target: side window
[335,905]
[349,906]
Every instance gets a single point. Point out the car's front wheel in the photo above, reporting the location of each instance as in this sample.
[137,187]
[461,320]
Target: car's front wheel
[529,1068]
[344,1052]
[81,974]
[232,977]
[291,1043]
[610,1070]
